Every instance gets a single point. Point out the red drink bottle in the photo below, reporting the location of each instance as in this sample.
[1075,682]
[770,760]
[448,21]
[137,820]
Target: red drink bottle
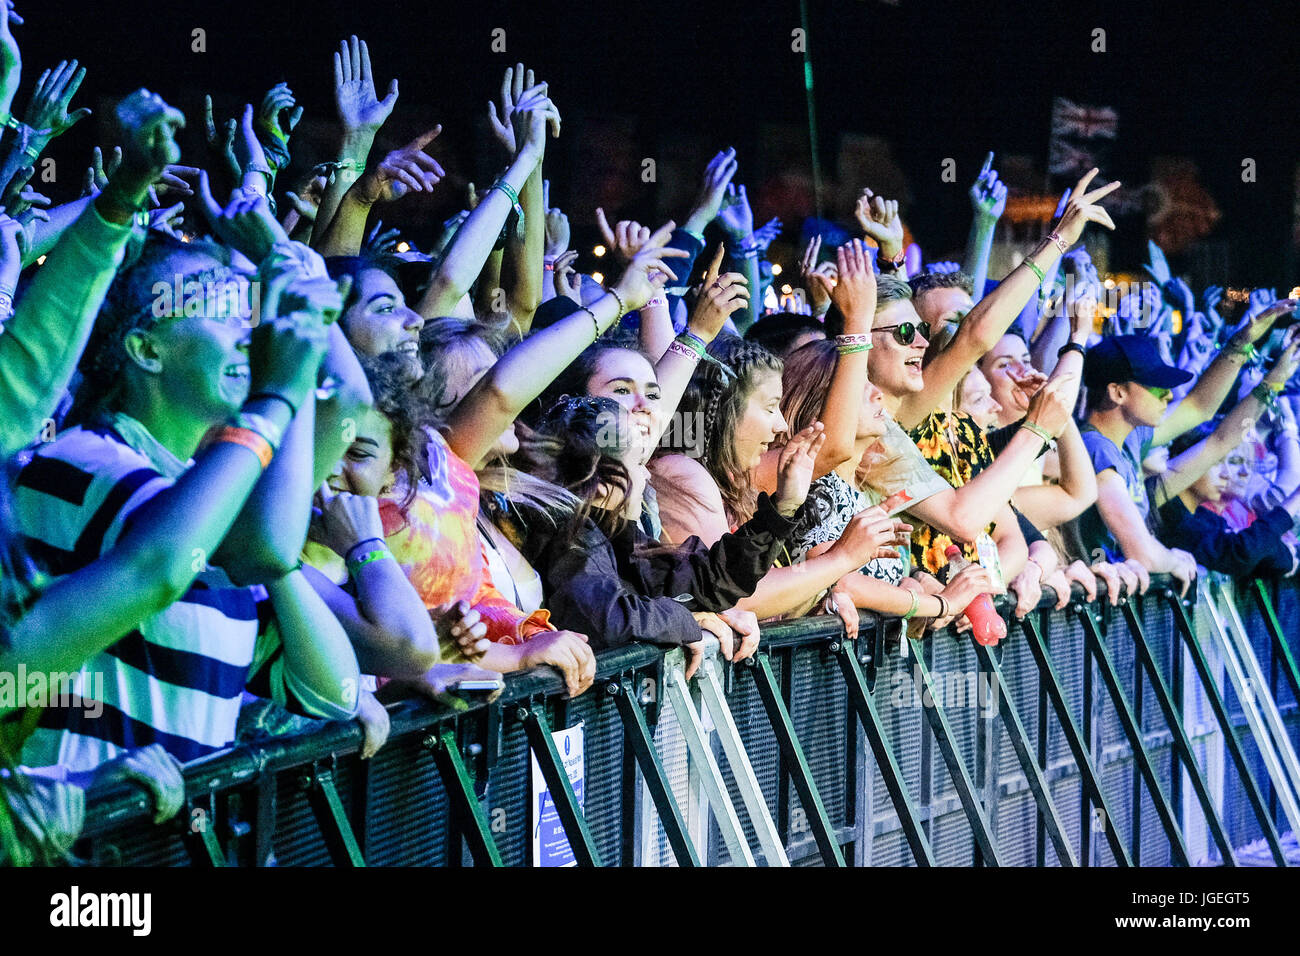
[986,624]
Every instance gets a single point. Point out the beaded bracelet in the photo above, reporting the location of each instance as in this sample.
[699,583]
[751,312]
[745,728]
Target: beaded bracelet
[594,321]
[622,309]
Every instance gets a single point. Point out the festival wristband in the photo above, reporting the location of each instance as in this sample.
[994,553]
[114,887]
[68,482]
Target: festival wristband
[246,437]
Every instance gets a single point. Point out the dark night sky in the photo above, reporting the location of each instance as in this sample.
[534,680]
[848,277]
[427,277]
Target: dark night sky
[1215,82]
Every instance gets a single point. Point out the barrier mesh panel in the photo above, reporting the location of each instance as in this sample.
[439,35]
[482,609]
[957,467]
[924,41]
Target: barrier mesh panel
[407,814]
[297,839]
[509,793]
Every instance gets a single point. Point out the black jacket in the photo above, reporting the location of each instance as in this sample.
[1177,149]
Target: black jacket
[631,588]
[1252,552]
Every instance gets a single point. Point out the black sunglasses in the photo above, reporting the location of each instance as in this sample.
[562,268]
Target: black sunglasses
[905,332]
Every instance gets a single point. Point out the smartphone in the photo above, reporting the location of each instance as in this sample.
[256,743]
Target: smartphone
[476,685]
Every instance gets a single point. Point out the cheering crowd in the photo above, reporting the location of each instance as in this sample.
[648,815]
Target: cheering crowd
[269,464]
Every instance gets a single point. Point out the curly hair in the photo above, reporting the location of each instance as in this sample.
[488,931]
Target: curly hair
[716,398]
[409,415]
[132,303]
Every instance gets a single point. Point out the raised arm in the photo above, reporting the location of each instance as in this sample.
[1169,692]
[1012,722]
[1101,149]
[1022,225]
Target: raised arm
[523,373]
[361,113]
[854,293]
[463,259]
[988,199]
[989,320]
[1213,386]
[45,338]
[1188,467]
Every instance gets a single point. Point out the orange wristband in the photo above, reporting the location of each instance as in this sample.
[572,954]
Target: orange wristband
[243,436]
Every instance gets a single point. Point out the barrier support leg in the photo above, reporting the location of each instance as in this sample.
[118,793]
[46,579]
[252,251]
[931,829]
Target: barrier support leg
[966,791]
[1106,667]
[1047,812]
[1253,796]
[465,808]
[1050,681]
[742,771]
[201,843]
[1182,744]
[575,826]
[333,821]
[637,735]
[860,699]
[1281,650]
[796,763]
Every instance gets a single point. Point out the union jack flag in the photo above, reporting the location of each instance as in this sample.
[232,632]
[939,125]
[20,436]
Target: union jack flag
[1085,122]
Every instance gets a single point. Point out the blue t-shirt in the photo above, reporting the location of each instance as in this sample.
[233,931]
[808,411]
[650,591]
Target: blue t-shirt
[1127,462]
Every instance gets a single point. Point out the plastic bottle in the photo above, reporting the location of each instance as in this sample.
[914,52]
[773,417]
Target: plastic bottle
[986,624]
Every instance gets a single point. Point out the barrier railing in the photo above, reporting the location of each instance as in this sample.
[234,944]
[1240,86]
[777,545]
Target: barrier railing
[1157,732]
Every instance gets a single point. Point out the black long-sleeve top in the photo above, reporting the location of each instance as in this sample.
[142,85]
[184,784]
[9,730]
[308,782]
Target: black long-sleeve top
[1252,552]
[630,588]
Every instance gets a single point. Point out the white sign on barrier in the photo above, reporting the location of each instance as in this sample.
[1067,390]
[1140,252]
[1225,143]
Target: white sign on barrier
[550,845]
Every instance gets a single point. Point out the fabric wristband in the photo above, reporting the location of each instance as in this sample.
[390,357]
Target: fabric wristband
[911,611]
[356,564]
[250,439]
[513,196]
[1034,267]
[1071,347]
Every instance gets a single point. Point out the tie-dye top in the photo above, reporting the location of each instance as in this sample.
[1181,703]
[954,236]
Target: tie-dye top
[436,542]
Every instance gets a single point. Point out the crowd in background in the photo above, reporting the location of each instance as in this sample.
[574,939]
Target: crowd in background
[269,464]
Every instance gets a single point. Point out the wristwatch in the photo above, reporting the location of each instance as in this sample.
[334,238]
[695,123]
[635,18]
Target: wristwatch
[894,264]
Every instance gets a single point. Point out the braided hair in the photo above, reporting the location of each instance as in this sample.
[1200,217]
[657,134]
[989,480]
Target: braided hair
[716,400]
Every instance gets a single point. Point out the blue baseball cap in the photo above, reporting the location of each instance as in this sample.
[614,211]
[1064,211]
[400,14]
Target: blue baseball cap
[1130,358]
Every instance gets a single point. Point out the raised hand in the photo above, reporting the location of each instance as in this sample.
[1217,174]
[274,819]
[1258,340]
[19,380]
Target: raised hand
[277,116]
[246,224]
[533,115]
[794,468]
[1288,361]
[1158,266]
[818,279]
[713,187]
[360,110]
[647,273]
[988,197]
[766,233]
[98,172]
[1082,208]
[150,128]
[1048,409]
[879,220]
[943,268]
[720,297]
[854,294]
[735,216]
[11,61]
[1259,320]
[307,204]
[514,85]
[48,110]
[625,239]
[568,281]
[557,225]
[221,142]
[380,241]
[408,169]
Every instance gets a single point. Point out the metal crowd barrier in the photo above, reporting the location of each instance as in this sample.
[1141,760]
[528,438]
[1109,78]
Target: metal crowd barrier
[1157,732]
